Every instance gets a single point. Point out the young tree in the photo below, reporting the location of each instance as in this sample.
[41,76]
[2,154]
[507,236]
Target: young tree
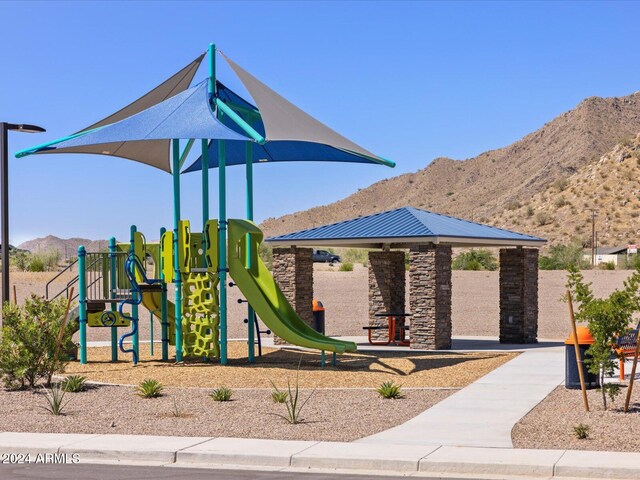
[607,319]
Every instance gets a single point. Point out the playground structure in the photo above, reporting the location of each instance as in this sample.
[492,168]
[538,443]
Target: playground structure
[113,285]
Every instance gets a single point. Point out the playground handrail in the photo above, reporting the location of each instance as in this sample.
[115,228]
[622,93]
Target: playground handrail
[46,288]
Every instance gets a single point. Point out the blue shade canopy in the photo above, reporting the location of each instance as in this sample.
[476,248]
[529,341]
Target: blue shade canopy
[151,152]
[185,115]
[406,226]
[278,151]
[274,150]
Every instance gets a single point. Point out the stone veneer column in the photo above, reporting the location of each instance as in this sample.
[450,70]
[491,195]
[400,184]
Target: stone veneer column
[293,272]
[386,288]
[519,295]
[430,296]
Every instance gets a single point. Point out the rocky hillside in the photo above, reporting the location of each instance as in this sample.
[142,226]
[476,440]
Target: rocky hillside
[66,247]
[563,211]
[498,186]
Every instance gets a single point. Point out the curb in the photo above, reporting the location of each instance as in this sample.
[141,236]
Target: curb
[221,452]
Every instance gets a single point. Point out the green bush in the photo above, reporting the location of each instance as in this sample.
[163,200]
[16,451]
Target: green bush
[562,257]
[607,266]
[475,260]
[150,388]
[265,252]
[222,394]
[390,391]
[581,431]
[346,267]
[74,383]
[28,345]
[279,396]
[355,255]
[36,264]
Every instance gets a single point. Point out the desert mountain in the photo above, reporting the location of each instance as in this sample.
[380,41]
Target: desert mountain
[499,186]
[66,247]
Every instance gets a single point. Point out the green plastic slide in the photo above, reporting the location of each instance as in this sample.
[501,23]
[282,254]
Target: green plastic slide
[260,289]
[152,301]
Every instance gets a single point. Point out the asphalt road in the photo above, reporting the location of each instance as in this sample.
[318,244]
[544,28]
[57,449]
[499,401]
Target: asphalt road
[118,472]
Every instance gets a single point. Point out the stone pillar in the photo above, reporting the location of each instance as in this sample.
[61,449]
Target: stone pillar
[519,295]
[386,288]
[430,296]
[293,272]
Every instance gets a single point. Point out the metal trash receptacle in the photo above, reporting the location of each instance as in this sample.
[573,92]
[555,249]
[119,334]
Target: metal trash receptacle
[318,316]
[571,374]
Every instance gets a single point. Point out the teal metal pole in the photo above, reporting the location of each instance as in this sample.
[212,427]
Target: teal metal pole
[248,129]
[112,294]
[212,69]
[82,294]
[222,238]
[176,253]
[250,313]
[205,188]
[163,311]
[151,335]
[135,340]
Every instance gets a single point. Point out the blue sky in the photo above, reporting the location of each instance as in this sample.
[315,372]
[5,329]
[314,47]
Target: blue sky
[410,81]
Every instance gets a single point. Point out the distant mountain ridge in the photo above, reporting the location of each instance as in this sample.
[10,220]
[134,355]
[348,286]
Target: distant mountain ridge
[487,187]
[67,247]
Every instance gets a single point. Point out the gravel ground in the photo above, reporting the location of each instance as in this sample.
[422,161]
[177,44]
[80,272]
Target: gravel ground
[551,423]
[475,308]
[333,415]
[366,370]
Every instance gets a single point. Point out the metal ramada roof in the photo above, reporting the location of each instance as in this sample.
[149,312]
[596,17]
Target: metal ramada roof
[405,226]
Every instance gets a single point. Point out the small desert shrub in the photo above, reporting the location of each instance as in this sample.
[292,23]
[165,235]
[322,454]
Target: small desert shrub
[222,394]
[346,267]
[513,205]
[475,260]
[279,396]
[530,211]
[177,410]
[544,218]
[581,431]
[150,388]
[560,201]
[607,266]
[390,390]
[561,184]
[292,399]
[55,400]
[74,383]
[28,345]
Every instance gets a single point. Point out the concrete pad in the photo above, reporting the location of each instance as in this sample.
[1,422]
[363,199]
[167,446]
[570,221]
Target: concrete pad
[491,461]
[34,443]
[137,448]
[359,456]
[243,451]
[599,465]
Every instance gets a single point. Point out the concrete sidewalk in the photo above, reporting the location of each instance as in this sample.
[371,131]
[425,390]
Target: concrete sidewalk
[414,460]
[484,413]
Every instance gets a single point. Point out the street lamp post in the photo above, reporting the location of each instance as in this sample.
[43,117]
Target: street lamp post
[4,195]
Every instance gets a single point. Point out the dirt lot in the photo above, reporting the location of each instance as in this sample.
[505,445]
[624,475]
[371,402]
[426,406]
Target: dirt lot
[344,294]
[551,423]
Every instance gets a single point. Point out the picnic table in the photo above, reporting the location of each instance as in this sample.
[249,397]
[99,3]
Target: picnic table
[396,329]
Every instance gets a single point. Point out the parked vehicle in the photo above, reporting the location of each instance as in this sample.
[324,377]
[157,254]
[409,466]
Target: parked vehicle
[324,256]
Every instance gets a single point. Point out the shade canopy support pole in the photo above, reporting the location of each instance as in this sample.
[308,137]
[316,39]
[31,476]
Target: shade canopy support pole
[176,248]
[222,238]
[250,312]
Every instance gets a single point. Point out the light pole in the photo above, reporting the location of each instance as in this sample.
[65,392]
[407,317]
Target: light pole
[4,195]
